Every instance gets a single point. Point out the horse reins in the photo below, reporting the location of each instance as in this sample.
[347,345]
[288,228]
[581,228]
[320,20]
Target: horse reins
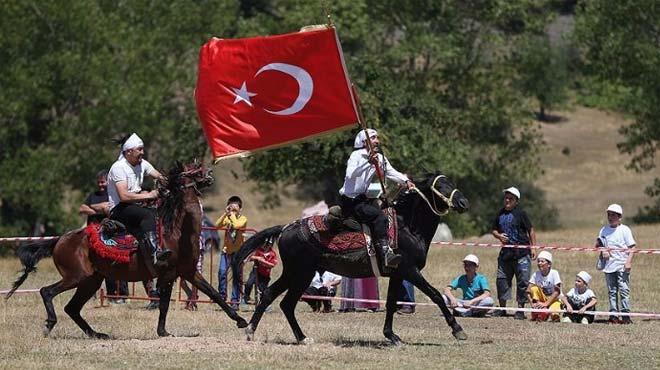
[448,200]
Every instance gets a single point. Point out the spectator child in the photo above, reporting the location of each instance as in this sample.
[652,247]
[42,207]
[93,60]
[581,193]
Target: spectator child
[234,223]
[618,238]
[545,288]
[264,258]
[475,290]
[579,299]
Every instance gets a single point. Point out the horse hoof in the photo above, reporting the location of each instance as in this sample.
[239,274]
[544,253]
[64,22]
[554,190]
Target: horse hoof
[46,331]
[241,323]
[306,341]
[164,334]
[460,335]
[249,333]
[102,336]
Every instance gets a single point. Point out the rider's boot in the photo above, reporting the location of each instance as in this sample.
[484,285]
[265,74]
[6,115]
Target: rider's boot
[159,256]
[390,259]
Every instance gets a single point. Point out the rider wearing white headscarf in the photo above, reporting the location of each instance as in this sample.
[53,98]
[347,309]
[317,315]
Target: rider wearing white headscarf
[125,191]
[360,171]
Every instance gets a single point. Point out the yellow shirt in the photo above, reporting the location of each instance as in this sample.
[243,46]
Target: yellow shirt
[233,238]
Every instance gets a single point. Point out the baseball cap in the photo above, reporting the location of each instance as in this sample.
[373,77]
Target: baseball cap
[471,258]
[584,276]
[615,208]
[513,190]
[545,255]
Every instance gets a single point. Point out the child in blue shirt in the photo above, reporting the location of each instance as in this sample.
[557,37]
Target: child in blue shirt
[475,291]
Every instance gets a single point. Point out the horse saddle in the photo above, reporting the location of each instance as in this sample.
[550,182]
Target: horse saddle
[109,239]
[339,234]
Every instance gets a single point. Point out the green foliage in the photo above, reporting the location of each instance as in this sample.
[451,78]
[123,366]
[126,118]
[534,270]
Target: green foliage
[543,72]
[75,75]
[434,79]
[596,93]
[620,41]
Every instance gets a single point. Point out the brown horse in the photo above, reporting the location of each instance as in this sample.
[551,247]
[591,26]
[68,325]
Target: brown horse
[81,268]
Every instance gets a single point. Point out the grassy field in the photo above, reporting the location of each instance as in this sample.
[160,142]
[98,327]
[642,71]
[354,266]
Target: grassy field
[580,184]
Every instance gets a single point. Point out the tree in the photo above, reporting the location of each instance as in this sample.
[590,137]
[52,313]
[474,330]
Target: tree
[75,75]
[621,41]
[543,72]
[434,78]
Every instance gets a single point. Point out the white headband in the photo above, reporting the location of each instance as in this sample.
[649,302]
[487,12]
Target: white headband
[361,137]
[132,142]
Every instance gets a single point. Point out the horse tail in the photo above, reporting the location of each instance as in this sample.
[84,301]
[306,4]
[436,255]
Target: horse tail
[254,242]
[30,254]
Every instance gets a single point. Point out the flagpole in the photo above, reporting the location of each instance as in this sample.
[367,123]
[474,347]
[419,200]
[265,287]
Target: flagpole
[324,5]
[379,170]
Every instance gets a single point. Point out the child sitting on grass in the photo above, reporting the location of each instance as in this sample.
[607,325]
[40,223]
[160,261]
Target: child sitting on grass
[579,299]
[544,288]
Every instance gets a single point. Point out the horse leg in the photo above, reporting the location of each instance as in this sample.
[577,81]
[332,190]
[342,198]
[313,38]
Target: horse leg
[164,293]
[86,289]
[415,277]
[393,293]
[288,305]
[267,297]
[47,294]
[203,285]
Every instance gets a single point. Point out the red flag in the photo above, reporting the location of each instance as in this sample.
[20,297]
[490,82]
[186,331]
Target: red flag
[263,92]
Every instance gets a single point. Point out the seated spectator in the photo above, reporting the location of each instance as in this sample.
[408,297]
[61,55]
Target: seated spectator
[325,285]
[475,291]
[545,288]
[579,299]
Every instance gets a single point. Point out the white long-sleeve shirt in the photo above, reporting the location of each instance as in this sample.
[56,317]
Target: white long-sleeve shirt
[359,173]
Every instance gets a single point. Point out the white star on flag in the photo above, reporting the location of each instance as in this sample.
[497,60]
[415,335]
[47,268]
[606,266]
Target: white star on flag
[243,94]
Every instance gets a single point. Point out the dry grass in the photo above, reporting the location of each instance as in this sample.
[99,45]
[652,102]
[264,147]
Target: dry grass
[342,340]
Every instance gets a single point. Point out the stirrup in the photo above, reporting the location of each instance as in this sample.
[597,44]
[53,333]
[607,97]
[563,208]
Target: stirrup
[390,259]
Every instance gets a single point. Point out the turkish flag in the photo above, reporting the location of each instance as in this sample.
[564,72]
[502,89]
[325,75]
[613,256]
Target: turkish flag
[264,92]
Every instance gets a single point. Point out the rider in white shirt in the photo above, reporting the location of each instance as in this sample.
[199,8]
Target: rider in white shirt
[125,191]
[360,171]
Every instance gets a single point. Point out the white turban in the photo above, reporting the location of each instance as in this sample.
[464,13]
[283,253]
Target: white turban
[361,137]
[132,142]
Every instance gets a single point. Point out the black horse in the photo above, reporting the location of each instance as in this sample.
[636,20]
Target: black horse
[418,212]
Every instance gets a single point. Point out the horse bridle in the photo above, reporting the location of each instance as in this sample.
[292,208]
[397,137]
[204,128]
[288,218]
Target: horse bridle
[448,200]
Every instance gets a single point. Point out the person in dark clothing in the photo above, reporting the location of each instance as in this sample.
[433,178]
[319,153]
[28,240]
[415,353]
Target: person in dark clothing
[513,227]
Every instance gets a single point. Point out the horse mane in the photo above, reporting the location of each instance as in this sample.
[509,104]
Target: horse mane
[170,211]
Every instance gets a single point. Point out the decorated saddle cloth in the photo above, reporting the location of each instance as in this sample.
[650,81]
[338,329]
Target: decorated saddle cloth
[342,240]
[109,239]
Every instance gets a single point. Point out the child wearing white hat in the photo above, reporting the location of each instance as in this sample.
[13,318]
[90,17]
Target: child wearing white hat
[544,288]
[618,239]
[475,290]
[579,299]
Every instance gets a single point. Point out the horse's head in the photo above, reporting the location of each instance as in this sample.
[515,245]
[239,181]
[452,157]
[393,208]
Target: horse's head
[192,175]
[442,195]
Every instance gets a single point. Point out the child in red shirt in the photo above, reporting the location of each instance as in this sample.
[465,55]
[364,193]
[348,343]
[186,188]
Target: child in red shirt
[264,258]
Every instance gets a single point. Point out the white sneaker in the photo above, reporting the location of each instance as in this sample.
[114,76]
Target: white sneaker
[584,321]
[566,319]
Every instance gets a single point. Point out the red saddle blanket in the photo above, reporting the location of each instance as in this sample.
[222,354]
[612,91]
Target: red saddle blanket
[347,240]
[117,248]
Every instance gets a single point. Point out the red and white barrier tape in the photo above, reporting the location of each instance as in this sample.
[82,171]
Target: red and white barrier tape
[548,247]
[4,292]
[27,238]
[514,309]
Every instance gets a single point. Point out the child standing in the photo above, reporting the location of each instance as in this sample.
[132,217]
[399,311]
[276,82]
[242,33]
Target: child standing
[545,288]
[617,263]
[264,258]
[580,299]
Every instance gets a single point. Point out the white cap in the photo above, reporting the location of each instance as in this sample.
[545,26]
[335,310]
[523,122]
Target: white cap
[472,258]
[361,137]
[545,255]
[584,276]
[615,208]
[513,190]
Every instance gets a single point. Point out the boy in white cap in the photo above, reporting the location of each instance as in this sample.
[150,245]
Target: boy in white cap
[513,227]
[545,288]
[360,170]
[475,290]
[617,238]
[579,299]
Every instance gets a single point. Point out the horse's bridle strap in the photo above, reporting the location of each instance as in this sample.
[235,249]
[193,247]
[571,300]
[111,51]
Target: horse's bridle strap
[448,200]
